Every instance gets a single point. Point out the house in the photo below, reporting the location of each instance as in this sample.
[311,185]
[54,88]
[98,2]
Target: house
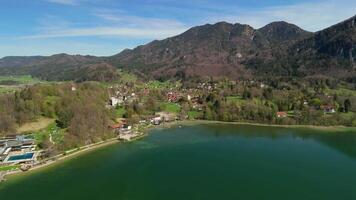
[156,120]
[126,127]
[172,97]
[189,98]
[114,101]
[281,114]
[116,126]
[328,109]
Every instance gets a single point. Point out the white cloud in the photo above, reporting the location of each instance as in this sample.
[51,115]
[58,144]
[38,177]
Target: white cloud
[117,25]
[144,33]
[135,21]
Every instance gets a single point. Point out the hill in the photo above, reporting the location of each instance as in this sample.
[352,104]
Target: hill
[279,49]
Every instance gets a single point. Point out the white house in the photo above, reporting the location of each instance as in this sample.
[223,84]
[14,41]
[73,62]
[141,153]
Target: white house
[114,101]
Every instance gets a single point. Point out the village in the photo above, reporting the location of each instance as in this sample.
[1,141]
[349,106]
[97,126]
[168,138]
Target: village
[138,107]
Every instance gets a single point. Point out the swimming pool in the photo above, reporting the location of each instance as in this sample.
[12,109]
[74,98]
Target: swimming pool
[25,156]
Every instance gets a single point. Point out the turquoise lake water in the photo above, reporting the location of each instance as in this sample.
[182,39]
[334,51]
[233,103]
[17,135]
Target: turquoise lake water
[203,162]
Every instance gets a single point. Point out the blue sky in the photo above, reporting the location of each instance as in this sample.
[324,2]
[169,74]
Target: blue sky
[105,27]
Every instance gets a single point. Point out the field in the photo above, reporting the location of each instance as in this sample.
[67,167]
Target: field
[119,112]
[13,83]
[235,99]
[25,79]
[170,107]
[194,114]
[11,167]
[41,123]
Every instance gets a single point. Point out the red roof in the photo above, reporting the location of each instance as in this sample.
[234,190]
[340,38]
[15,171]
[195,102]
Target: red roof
[282,113]
[115,126]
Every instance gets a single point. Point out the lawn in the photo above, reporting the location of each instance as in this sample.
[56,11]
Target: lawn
[8,89]
[342,92]
[162,85]
[10,84]
[119,112]
[235,99]
[25,79]
[41,123]
[10,167]
[127,77]
[170,107]
[194,114]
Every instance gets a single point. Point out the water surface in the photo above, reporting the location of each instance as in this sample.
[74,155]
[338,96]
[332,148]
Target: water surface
[203,162]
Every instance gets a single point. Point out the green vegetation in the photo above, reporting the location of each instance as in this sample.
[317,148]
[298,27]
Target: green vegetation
[9,84]
[170,107]
[26,79]
[9,167]
[127,77]
[162,85]
[194,115]
[81,117]
[120,112]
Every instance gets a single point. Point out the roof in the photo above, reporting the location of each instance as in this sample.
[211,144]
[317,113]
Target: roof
[281,113]
[115,126]
[13,143]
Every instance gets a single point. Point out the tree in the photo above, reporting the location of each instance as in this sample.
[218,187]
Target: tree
[7,123]
[347,105]
[246,94]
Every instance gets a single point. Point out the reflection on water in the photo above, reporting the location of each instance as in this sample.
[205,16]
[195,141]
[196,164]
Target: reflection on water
[204,162]
[342,141]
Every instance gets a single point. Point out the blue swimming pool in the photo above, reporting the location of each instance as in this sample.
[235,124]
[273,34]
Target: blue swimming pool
[21,157]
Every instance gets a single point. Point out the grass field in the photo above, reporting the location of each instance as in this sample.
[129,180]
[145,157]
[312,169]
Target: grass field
[119,112]
[342,92]
[11,167]
[8,89]
[235,99]
[126,77]
[25,79]
[41,123]
[170,107]
[194,114]
[10,84]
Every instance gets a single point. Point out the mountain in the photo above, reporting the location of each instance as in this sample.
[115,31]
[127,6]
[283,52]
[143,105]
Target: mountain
[279,49]
[60,67]
[221,49]
[18,61]
[329,51]
[280,32]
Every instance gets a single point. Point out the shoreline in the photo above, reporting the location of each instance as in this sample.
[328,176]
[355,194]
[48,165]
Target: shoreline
[58,159]
[311,127]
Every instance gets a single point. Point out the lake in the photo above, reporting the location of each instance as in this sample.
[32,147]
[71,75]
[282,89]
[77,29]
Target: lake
[203,162]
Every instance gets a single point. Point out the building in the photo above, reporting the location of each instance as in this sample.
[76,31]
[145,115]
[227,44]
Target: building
[329,109]
[116,101]
[157,120]
[281,114]
[20,149]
